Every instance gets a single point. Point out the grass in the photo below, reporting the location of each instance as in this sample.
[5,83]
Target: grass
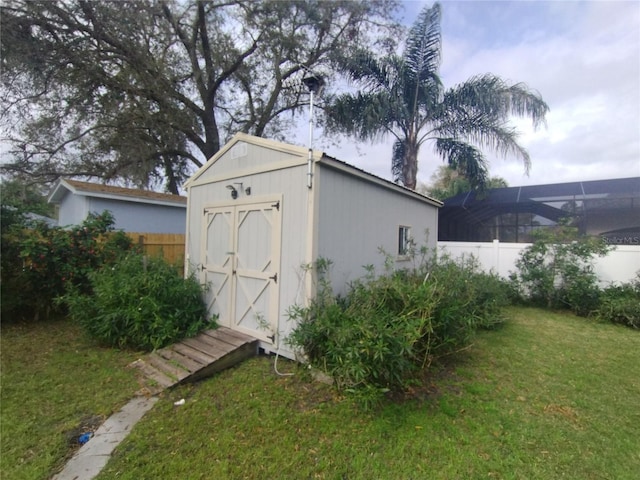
[548,396]
[55,383]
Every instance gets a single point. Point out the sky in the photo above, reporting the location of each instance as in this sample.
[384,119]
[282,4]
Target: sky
[583,57]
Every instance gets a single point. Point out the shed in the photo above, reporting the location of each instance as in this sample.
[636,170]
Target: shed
[261,212]
[134,210]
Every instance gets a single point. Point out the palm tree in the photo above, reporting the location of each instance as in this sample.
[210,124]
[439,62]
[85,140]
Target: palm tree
[403,96]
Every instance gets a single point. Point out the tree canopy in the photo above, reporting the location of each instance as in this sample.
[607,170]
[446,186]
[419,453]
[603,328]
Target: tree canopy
[403,96]
[24,198]
[147,90]
[447,182]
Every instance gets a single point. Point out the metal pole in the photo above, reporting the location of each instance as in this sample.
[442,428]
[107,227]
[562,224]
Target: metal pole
[310,161]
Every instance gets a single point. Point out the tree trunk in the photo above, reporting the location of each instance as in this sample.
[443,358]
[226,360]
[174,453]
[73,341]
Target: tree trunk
[410,166]
[172,181]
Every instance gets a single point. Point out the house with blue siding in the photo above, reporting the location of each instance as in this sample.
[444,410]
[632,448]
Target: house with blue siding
[134,210]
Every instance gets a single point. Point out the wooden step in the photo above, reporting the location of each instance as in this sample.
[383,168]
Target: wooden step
[187,363]
[165,366]
[194,358]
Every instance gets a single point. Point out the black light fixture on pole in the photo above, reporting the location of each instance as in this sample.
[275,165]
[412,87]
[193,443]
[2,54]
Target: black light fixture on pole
[314,84]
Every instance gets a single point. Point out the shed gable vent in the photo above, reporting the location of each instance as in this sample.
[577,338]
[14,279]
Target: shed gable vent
[239,150]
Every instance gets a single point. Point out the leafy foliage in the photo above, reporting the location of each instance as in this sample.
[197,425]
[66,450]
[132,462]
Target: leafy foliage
[556,271]
[24,198]
[39,261]
[621,304]
[389,327]
[145,91]
[447,182]
[139,302]
[403,96]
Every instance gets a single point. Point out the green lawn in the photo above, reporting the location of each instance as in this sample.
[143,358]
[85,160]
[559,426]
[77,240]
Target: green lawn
[548,396]
[54,381]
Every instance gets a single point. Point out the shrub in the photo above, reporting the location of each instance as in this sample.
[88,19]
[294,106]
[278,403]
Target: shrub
[13,286]
[621,304]
[388,328]
[140,303]
[39,261]
[370,338]
[556,270]
[468,299]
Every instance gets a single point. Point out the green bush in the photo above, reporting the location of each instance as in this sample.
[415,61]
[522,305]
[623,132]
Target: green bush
[13,286]
[39,261]
[388,328]
[467,299]
[556,270]
[140,303]
[621,304]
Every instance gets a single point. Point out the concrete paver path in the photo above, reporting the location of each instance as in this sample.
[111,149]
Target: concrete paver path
[94,455]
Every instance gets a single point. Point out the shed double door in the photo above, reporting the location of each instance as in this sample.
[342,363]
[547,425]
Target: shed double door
[241,263]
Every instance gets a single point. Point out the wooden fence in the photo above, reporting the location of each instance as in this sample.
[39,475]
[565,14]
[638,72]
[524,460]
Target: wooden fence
[167,245]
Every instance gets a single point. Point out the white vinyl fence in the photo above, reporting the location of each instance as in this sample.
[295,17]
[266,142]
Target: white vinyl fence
[619,266]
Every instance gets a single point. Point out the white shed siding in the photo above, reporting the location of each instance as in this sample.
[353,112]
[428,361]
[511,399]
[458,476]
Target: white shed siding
[358,217]
[290,183]
[345,217]
[245,159]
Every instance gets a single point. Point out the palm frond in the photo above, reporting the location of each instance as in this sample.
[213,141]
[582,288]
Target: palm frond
[465,159]
[485,132]
[365,115]
[421,84]
[423,45]
[398,160]
[368,72]
[492,96]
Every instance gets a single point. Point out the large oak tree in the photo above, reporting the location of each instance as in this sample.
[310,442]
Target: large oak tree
[148,90]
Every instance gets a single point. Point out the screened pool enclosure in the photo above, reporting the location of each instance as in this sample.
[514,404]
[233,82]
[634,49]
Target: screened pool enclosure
[609,208]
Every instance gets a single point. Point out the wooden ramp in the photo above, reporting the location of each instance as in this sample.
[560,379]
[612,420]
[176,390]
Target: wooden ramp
[194,358]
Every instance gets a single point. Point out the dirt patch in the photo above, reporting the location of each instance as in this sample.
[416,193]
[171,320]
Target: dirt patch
[87,426]
[561,410]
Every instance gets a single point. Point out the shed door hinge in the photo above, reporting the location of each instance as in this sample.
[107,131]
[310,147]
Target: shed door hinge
[276,206]
[274,278]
